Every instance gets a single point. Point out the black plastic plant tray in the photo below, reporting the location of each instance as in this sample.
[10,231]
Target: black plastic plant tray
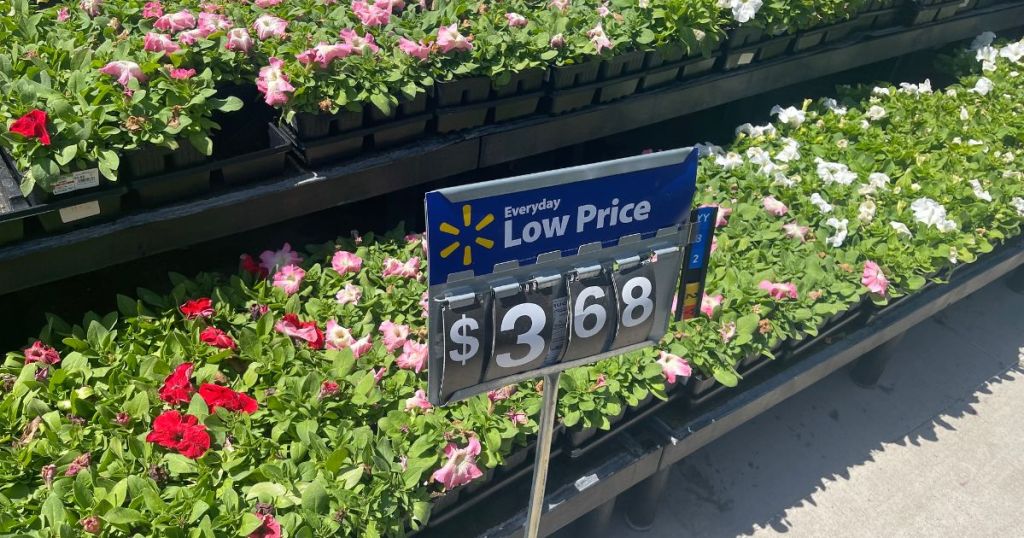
[759,52]
[350,144]
[500,480]
[879,19]
[601,91]
[574,488]
[14,208]
[258,158]
[927,11]
[691,431]
[631,417]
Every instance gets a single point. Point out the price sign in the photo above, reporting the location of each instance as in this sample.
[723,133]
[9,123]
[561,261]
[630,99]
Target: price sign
[533,275]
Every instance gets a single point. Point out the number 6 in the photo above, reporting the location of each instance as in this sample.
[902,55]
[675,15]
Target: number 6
[634,301]
[580,312]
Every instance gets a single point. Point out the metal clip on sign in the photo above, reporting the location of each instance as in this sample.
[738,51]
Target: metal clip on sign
[533,275]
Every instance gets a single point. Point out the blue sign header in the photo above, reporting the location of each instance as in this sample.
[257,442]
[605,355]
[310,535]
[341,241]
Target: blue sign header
[476,233]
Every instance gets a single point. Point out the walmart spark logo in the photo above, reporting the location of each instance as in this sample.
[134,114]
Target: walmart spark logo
[469,229]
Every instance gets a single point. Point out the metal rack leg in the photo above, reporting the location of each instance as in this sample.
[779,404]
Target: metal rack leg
[642,500]
[868,369]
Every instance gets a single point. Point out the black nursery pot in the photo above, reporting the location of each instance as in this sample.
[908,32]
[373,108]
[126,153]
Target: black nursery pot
[446,501]
[98,206]
[463,91]
[12,227]
[570,76]
[405,108]
[579,436]
[529,81]
[622,64]
[517,458]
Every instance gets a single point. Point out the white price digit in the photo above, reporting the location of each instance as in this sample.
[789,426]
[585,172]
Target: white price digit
[530,338]
[582,312]
[636,294]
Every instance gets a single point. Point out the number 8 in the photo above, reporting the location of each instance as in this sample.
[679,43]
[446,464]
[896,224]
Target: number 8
[634,301]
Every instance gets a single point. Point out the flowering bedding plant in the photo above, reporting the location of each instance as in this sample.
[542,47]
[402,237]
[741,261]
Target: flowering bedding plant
[288,399]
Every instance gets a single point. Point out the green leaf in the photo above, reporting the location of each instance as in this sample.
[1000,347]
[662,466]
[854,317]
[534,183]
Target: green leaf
[230,104]
[52,512]
[67,154]
[266,491]
[202,143]
[315,498]
[123,516]
[249,524]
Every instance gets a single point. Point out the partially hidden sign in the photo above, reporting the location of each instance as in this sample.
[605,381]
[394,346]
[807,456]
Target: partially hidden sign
[540,273]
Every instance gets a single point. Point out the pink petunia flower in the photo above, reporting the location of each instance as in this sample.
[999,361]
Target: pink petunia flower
[363,44]
[795,231]
[425,304]
[176,22]
[728,331]
[709,304]
[124,71]
[416,49]
[272,260]
[350,294]
[516,20]
[41,353]
[409,269]
[239,40]
[714,244]
[273,83]
[379,373]
[774,206]
[413,357]
[873,278]
[673,367]
[418,401]
[361,346]
[394,335]
[328,388]
[337,337]
[460,469]
[212,22]
[190,37]
[346,262]
[181,73]
[267,3]
[307,331]
[503,393]
[449,39]
[152,10]
[560,5]
[268,26]
[323,54]
[557,41]
[153,42]
[723,214]
[90,7]
[599,38]
[372,14]
[779,290]
[289,278]
[63,15]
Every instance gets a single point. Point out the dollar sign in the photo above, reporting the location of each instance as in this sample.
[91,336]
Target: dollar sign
[459,335]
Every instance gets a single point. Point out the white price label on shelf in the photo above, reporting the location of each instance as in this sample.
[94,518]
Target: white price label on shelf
[76,181]
[78,212]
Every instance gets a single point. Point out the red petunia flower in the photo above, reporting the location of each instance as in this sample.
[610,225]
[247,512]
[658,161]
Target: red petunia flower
[217,338]
[178,386]
[32,125]
[218,396]
[269,529]
[251,266]
[40,352]
[197,308]
[180,432]
[301,330]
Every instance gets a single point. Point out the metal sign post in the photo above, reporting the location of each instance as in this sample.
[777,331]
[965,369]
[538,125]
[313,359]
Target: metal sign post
[533,275]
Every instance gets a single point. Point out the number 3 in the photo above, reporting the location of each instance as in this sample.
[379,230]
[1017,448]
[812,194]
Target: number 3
[595,310]
[634,301]
[531,338]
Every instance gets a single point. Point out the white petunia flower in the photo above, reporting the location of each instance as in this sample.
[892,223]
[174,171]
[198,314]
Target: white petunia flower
[707,149]
[791,116]
[830,172]
[875,113]
[729,161]
[953,256]
[980,191]
[791,151]
[879,90]
[761,158]
[964,115]
[822,204]
[983,39]
[983,86]
[1018,204]
[742,10]
[876,181]
[1013,52]
[931,213]
[840,227]
[834,106]
[916,89]
[987,56]
[786,181]
[901,229]
[755,131]
[866,211]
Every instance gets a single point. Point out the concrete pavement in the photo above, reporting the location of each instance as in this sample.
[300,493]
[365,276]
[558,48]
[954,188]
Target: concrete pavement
[934,450]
